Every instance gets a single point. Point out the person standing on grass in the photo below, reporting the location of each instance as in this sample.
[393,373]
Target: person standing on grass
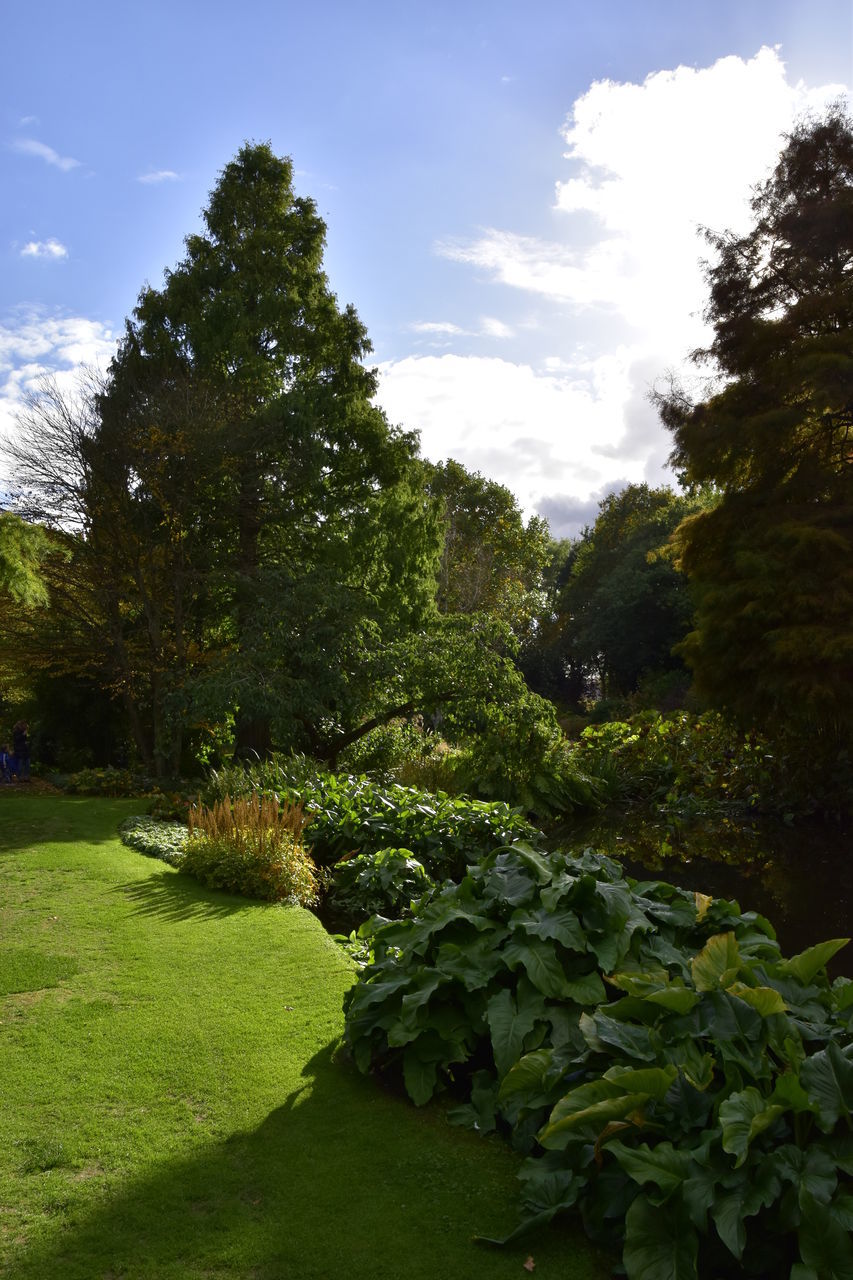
[21,748]
[5,764]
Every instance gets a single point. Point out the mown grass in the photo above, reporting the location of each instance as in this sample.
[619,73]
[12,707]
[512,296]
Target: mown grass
[175,1104]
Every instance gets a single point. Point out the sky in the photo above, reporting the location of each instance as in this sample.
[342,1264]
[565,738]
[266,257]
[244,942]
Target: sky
[513,193]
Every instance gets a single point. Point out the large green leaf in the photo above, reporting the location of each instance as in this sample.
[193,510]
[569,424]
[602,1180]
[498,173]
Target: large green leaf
[675,998]
[661,1165]
[601,1032]
[825,1245]
[558,926]
[419,1076]
[659,1244]
[475,963]
[527,1076]
[757,1189]
[811,1170]
[828,1080]
[717,963]
[655,1081]
[585,988]
[541,963]
[810,962]
[534,860]
[510,1020]
[591,1120]
[742,1117]
[729,1221]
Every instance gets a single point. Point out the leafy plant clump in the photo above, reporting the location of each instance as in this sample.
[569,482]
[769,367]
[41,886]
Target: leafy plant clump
[108,782]
[155,838]
[353,815]
[385,883]
[680,763]
[667,1071]
[251,846]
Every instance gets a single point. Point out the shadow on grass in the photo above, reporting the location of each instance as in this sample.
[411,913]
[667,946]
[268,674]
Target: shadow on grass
[29,820]
[170,896]
[340,1181]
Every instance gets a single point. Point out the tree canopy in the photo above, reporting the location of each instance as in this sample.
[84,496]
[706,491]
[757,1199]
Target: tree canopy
[255,551]
[616,604]
[244,519]
[772,562]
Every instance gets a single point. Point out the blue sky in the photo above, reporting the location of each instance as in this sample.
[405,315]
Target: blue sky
[511,192]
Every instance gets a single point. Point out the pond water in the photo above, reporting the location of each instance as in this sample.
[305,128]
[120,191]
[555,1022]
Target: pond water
[800,878]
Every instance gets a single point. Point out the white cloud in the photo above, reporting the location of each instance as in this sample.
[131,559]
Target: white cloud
[489,327]
[44,249]
[531,430]
[30,147]
[32,345]
[28,120]
[441,327]
[651,161]
[158,175]
[493,328]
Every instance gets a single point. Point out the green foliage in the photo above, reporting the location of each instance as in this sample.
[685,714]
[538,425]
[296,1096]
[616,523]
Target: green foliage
[155,838]
[686,767]
[383,883]
[244,524]
[354,815]
[387,747]
[492,561]
[696,1104]
[520,756]
[22,549]
[108,782]
[680,761]
[621,604]
[771,565]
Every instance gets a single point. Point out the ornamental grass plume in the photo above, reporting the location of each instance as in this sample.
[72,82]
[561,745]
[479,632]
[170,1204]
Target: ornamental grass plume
[252,845]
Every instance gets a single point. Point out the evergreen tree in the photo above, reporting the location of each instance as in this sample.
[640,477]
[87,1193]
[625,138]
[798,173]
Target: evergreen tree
[772,563]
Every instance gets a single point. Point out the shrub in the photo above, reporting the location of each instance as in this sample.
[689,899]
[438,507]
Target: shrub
[679,759]
[384,748]
[155,838]
[251,846]
[352,815]
[668,1073]
[382,883]
[107,782]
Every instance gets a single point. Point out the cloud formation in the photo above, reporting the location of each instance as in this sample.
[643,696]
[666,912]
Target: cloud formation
[620,294]
[30,147]
[158,175]
[33,345]
[50,248]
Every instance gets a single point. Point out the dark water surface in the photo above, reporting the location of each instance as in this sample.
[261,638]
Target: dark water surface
[800,878]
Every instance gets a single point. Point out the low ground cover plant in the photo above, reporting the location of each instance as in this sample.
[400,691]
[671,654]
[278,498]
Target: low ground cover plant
[668,1073]
[251,845]
[352,814]
[155,838]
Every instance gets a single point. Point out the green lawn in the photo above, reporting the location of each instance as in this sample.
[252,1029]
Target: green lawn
[173,1104]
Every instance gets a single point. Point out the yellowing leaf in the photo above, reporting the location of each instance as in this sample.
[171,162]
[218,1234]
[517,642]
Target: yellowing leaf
[719,959]
[703,902]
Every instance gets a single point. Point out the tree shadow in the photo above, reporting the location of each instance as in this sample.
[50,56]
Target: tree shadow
[28,820]
[168,895]
[340,1181]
